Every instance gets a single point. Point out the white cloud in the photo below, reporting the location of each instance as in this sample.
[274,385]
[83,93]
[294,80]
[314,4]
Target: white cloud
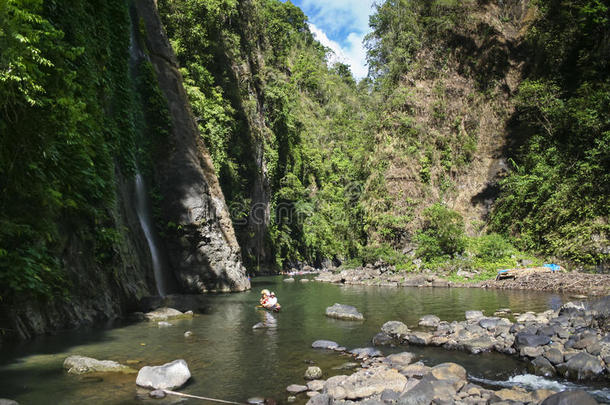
[352,54]
[335,16]
[347,22]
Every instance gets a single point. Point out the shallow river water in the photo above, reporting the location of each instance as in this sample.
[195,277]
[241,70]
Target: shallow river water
[229,360]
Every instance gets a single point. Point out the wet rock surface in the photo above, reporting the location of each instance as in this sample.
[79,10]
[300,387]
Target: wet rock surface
[164,314]
[569,342]
[345,312]
[396,379]
[83,365]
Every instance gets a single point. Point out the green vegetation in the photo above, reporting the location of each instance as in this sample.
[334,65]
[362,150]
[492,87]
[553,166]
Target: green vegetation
[365,188]
[378,169]
[442,234]
[67,128]
[556,198]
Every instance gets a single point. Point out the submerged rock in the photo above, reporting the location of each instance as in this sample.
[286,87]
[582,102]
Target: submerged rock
[82,365]
[429,321]
[296,388]
[325,344]
[346,312]
[163,314]
[313,373]
[168,376]
[157,394]
[363,352]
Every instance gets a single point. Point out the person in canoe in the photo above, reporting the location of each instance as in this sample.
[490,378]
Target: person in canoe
[269,301]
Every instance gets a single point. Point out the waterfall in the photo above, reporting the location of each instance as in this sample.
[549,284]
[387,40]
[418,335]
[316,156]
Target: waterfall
[143,211]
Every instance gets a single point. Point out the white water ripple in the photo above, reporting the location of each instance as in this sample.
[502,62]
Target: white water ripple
[534,382]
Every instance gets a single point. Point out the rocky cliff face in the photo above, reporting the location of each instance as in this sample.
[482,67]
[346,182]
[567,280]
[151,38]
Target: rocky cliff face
[98,291]
[202,249]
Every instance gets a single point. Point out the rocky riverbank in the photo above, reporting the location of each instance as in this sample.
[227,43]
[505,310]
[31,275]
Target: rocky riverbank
[381,274]
[399,379]
[572,342]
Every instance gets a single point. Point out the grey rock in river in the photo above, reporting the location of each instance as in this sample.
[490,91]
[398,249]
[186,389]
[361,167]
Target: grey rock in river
[168,376]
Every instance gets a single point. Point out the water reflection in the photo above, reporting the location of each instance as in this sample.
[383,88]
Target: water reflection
[230,360]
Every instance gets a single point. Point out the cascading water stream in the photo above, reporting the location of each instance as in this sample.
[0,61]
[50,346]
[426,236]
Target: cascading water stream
[143,211]
[142,202]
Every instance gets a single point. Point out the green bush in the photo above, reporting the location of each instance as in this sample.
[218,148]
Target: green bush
[491,247]
[442,233]
[386,253]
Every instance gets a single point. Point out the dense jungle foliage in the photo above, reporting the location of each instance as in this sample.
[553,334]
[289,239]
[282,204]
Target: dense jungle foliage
[328,141]
[70,121]
[327,147]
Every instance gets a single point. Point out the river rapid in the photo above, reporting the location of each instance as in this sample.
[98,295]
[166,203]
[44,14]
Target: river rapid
[230,360]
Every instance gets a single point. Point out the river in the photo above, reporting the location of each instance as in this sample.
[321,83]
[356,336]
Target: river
[230,360]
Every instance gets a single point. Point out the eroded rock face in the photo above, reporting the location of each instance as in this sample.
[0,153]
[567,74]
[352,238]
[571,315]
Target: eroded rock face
[202,249]
[166,377]
[82,365]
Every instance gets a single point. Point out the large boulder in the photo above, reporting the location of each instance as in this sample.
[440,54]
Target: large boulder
[166,377]
[479,344]
[450,372]
[383,339]
[524,339]
[82,365]
[554,355]
[427,390]
[365,383]
[541,366]
[419,338]
[347,312]
[163,314]
[570,398]
[395,329]
[399,360]
[582,366]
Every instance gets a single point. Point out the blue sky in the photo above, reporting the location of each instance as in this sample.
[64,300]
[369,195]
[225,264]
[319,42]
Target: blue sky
[341,25]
